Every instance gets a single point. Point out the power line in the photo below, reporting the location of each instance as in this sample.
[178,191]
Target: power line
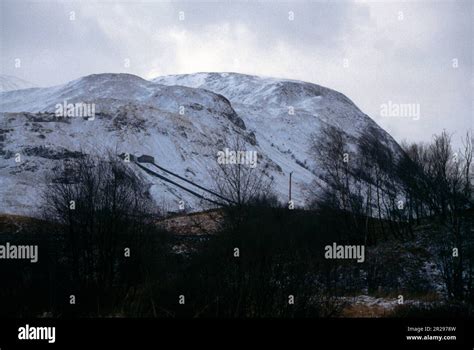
[192,183]
[178,185]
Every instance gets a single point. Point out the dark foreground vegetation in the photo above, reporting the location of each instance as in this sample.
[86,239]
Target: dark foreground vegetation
[101,253]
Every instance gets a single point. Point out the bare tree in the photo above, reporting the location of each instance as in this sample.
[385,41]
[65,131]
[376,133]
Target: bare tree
[102,209]
[467,154]
[236,179]
[441,182]
[331,151]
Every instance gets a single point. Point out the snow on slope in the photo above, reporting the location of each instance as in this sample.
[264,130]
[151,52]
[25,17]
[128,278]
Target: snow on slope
[132,115]
[284,114]
[8,83]
[137,116]
[266,99]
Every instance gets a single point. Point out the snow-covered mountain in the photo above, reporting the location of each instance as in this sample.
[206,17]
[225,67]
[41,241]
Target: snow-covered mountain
[9,83]
[283,113]
[180,120]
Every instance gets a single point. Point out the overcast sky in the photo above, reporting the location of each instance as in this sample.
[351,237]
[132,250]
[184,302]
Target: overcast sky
[374,52]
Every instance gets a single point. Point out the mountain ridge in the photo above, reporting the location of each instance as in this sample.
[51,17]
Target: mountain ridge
[10,82]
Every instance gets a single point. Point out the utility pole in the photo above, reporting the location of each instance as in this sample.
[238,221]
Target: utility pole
[289,192]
